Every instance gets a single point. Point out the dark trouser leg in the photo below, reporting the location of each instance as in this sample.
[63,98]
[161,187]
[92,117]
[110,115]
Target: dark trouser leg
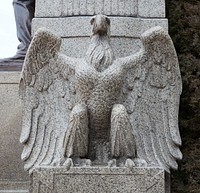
[24,12]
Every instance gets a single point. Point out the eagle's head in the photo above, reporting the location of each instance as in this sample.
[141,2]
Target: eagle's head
[101,25]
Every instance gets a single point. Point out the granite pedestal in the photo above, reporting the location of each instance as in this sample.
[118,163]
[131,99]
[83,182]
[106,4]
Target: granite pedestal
[100,180]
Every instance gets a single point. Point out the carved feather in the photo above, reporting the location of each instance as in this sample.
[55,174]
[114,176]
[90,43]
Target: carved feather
[154,99]
[45,88]
[76,135]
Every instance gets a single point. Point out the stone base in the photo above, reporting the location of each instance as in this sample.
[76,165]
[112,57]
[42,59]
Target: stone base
[100,179]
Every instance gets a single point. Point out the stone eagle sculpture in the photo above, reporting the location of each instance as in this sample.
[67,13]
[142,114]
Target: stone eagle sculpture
[97,108]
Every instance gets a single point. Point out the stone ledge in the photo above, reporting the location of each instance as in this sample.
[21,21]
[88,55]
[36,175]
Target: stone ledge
[14,186]
[9,77]
[80,26]
[100,179]
[59,8]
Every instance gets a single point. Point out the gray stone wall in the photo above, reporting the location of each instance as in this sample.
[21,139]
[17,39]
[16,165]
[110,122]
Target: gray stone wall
[70,19]
[12,175]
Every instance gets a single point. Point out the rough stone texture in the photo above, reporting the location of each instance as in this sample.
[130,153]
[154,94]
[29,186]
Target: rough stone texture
[45,8]
[100,179]
[133,8]
[107,7]
[79,26]
[11,170]
[125,33]
[121,46]
[53,17]
[154,8]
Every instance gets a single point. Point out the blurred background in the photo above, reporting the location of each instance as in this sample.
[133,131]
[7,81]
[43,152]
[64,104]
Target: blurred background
[8,37]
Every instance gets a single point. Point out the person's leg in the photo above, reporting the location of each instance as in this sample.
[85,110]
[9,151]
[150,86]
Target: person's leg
[24,12]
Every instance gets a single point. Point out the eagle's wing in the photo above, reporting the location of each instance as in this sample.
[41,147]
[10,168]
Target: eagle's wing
[151,96]
[46,89]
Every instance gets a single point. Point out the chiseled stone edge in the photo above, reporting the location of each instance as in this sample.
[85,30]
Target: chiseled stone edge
[80,26]
[60,8]
[57,8]
[9,77]
[92,7]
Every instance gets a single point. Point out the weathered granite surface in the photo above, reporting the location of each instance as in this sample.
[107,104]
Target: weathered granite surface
[69,20]
[83,7]
[121,46]
[151,9]
[133,8]
[48,8]
[79,26]
[125,33]
[100,180]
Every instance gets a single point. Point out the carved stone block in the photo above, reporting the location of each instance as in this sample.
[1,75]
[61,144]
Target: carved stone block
[125,33]
[46,8]
[100,179]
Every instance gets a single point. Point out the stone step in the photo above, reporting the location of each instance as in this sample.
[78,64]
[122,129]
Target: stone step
[14,191]
[14,186]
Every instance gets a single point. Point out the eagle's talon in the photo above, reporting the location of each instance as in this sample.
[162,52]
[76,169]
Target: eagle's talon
[129,163]
[68,163]
[112,163]
[140,162]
